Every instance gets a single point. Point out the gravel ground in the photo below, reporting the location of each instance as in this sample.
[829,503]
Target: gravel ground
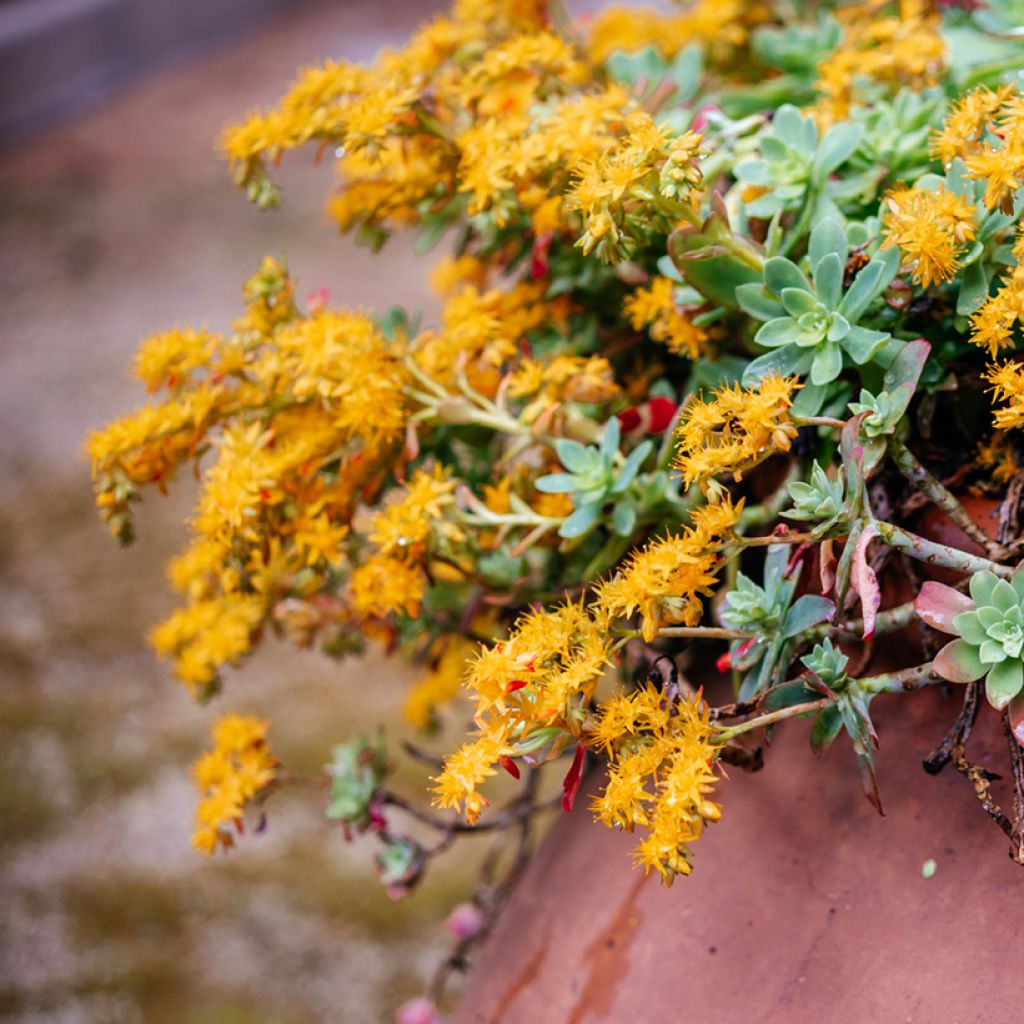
[116,224]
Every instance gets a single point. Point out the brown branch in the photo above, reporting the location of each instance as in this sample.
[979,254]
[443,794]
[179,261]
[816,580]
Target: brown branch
[959,733]
[1017,764]
[982,782]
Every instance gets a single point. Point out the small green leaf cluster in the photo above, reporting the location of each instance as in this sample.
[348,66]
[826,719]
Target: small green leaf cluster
[819,499]
[796,161]
[595,475]
[828,663]
[774,619]
[811,326]
[991,638]
[356,773]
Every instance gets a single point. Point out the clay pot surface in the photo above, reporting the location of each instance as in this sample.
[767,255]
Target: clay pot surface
[804,907]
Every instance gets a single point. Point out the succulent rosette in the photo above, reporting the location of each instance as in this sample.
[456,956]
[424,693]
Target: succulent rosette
[989,626]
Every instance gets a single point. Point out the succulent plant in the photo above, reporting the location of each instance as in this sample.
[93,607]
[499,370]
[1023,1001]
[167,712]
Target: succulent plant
[820,498]
[828,663]
[989,626]
[811,326]
[592,478]
[356,772]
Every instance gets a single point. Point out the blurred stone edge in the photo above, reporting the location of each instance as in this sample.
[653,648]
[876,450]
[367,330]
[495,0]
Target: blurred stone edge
[61,57]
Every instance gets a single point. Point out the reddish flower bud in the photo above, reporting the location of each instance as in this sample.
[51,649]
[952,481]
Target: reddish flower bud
[662,411]
[629,419]
[509,765]
[724,663]
[418,1011]
[465,921]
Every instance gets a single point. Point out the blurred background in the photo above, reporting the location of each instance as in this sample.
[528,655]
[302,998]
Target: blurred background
[116,219]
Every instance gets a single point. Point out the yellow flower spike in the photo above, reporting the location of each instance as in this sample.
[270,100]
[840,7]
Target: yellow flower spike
[736,429]
[237,769]
[661,772]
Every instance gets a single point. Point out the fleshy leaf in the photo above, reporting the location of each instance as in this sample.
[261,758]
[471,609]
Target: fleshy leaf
[939,605]
[807,611]
[1004,682]
[864,581]
[958,662]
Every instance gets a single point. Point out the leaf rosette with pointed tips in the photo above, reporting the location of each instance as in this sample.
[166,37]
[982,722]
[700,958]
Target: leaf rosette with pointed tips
[989,626]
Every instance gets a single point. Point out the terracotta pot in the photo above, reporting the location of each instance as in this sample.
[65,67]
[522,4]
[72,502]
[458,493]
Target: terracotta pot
[804,905]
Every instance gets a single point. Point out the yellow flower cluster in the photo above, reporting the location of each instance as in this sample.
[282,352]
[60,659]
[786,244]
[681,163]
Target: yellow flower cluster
[392,579]
[998,456]
[300,413]
[637,186]
[653,307]
[530,689]
[896,44]
[667,580]
[736,429]
[239,768]
[719,24]
[481,331]
[931,228]
[661,772]
[1007,380]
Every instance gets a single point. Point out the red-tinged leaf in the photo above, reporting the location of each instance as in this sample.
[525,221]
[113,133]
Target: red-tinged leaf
[939,605]
[661,412]
[827,561]
[865,582]
[412,442]
[509,765]
[573,778]
[869,780]
[516,684]
[745,648]
[796,559]
[539,256]
[1015,712]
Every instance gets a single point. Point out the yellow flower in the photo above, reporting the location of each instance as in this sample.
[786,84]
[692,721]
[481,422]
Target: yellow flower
[736,429]
[904,49]
[237,769]
[661,773]
[994,322]
[666,581]
[999,457]
[931,229]
[401,528]
[468,768]
[715,22]
[966,122]
[653,307]
[384,585]
[1007,380]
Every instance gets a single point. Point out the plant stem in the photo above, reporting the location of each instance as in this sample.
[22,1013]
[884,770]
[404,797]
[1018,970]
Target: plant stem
[912,469]
[705,633]
[887,622]
[937,554]
[818,421]
[899,682]
[773,716]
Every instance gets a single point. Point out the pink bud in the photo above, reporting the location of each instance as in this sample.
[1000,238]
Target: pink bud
[418,1011]
[465,921]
